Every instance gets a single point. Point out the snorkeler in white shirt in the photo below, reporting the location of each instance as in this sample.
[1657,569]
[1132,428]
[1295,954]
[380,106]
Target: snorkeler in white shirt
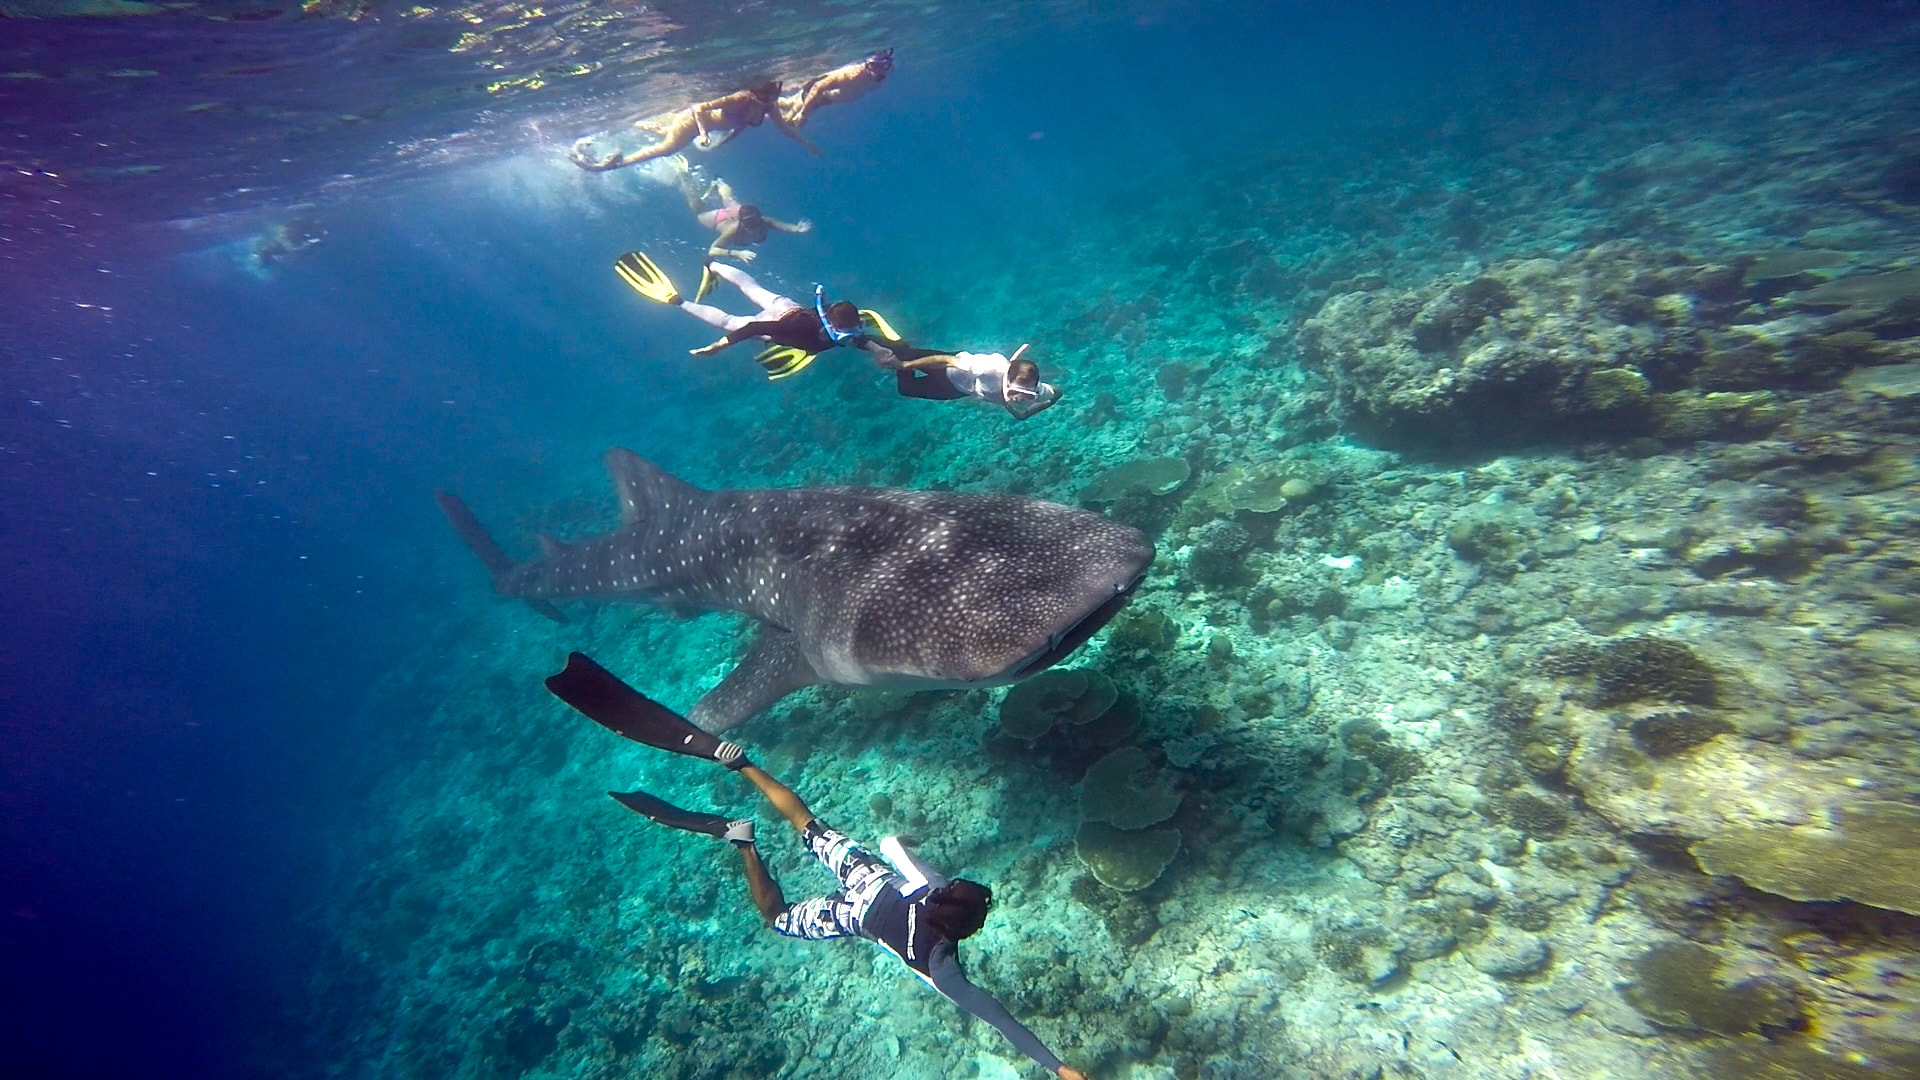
[1010,382]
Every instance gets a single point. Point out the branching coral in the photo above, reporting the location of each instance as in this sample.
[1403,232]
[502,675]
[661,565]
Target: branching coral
[1649,668]
[1671,731]
[1536,815]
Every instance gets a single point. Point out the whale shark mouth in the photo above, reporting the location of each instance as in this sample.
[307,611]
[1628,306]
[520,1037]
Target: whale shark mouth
[1063,643]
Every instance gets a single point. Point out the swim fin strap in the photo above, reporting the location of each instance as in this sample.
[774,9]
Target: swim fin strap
[662,812]
[784,361]
[706,282]
[600,696]
[646,278]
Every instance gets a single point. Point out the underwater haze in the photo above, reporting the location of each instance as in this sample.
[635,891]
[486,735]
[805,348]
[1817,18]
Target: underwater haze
[1522,402]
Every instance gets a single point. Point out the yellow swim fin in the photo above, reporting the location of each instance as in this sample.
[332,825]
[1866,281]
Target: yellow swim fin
[880,323]
[783,361]
[706,282]
[647,279]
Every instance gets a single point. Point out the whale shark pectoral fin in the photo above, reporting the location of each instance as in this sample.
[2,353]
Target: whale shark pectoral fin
[644,486]
[773,668]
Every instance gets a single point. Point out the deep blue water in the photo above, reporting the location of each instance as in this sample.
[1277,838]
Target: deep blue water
[218,532]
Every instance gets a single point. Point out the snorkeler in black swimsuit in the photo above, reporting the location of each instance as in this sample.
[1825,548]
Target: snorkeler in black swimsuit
[908,909]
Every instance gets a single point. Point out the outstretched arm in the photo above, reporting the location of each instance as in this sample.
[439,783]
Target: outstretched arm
[719,249]
[1024,407]
[944,971]
[803,225]
[794,134]
[781,796]
[760,885]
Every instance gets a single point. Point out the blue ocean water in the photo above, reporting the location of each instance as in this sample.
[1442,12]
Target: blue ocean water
[282,793]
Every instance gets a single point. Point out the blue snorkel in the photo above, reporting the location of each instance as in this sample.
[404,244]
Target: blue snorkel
[820,308]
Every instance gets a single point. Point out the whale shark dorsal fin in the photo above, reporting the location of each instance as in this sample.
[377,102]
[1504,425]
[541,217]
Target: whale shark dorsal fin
[773,668]
[551,546]
[642,485]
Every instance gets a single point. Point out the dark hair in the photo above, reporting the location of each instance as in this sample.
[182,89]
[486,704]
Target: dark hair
[843,316]
[767,91]
[1024,372]
[959,908]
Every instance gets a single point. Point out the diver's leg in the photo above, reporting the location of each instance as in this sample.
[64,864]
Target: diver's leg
[765,299]
[713,316]
[688,192]
[928,386]
[648,153]
[780,795]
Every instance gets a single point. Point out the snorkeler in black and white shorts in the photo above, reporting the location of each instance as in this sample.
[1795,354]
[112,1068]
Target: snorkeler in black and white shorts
[906,907]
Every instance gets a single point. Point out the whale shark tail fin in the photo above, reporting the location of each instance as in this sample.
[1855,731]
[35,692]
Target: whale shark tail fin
[600,696]
[498,563]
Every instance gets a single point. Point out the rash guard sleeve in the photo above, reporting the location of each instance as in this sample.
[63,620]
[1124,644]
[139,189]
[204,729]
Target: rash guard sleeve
[943,969]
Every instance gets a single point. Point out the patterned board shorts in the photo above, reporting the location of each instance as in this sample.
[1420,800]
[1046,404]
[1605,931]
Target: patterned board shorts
[862,875]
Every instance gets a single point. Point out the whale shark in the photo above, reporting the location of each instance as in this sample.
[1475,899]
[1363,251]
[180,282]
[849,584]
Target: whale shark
[850,586]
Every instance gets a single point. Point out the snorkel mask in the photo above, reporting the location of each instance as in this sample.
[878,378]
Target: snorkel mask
[1008,389]
[879,65]
[820,309]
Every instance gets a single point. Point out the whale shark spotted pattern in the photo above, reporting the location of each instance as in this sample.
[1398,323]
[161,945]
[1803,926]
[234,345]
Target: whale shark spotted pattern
[851,586]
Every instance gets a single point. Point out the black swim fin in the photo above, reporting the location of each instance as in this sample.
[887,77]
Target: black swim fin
[600,695]
[665,813]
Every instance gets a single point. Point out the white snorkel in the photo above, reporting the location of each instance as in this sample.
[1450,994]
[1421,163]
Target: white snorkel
[1007,389]
[916,873]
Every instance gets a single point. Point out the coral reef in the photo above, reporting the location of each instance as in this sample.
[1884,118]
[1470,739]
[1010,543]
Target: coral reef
[1448,719]
[1061,696]
[1123,859]
[1675,985]
[1113,794]
[1256,488]
[1219,556]
[1530,350]
[1648,668]
[1869,853]
[1150,476]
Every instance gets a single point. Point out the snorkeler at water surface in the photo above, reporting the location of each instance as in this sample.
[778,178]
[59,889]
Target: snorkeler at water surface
[907,908]
[848,82]
[693,125]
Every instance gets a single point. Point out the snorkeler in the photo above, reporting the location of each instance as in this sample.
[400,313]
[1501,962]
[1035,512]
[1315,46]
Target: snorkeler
[1010,382]
[846,83]
[798,334]
[693,125]
[907,908]
[739,224]
[285,238]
